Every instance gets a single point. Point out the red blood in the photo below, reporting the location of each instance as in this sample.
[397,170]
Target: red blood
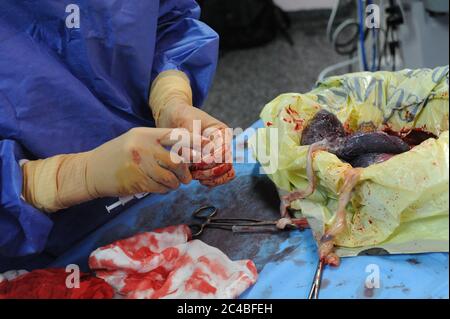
[164,290]
[294,118]
[51,284]
[198,281]
[300,222]
[201,166]
[412,137]
[144,281]
[215,172]
[347,128]
[208,162]
[183,261]
[219,180]
[171,253]
[221,169]
[153,241]
[136,157]
[251,266]
[333,260]
[215,267]
[105,263]
[131,248]
[291,111]
[141,253]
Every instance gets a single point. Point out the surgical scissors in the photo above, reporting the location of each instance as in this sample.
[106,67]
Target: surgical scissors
[236,225]
[315,287]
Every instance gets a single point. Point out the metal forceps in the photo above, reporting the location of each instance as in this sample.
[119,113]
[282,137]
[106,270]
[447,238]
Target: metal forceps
[237,225]
[315,288]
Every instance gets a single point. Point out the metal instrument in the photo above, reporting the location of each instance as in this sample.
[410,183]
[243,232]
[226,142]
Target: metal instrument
[315,288]
[207,214]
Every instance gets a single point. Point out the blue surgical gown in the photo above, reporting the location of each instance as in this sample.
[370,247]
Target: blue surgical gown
[67,88]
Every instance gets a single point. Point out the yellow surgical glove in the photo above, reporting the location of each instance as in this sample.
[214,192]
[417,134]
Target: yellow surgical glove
[135,162]
[170,87]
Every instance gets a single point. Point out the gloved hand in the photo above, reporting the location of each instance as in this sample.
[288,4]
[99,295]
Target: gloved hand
[135,162]
[216,167]
[171,104]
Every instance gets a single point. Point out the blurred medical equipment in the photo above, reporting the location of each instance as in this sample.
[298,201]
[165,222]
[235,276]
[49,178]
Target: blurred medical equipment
[389,35]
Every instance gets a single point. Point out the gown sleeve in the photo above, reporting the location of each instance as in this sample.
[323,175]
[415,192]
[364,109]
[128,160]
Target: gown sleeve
[23,228]
[184,43]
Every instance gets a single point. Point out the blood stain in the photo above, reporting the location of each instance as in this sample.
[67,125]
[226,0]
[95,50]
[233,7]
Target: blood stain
[281,256]
[325,284]
[413,261]
[299,262]
[136,157]
[222,169]
[369,292]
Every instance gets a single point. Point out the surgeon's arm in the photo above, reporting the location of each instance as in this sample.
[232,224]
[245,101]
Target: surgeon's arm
[135,162]
[184,66]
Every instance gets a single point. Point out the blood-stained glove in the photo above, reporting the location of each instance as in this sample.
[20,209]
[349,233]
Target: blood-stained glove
[165,263]
[171,104]
[51,284]
[135,162]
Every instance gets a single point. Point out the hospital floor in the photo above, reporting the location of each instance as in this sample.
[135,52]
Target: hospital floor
[246,80]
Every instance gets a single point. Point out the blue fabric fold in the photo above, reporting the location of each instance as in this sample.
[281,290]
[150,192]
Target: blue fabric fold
[23,229]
